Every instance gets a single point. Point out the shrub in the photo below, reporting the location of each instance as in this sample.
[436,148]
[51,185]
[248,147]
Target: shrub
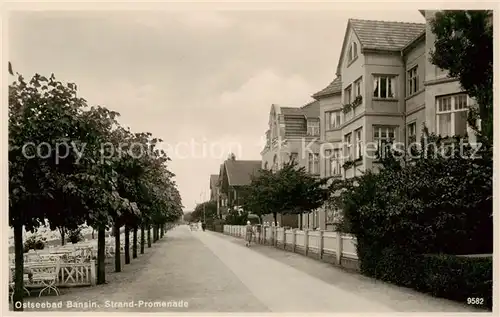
[429,205]
[34,242]
[446,276]
[75,236]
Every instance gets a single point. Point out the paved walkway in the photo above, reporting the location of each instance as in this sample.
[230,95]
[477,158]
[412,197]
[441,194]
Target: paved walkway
[217,273]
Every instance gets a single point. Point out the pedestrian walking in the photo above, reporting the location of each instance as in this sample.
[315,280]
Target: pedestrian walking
[249,233]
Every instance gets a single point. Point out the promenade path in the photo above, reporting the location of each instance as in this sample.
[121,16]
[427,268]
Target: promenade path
[217,273]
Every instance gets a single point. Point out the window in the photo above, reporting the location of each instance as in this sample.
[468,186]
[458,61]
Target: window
[357,87]
[384,86]
[336,163]
[348,95]
[452,115]
[333,120]
[348,145]
[382,135]
[333,166]
[413,81]
[313,163]
[312,127]
[353,51]
[412,132]
[328,165]
[359,143]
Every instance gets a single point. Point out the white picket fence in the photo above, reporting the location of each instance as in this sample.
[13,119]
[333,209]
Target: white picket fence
[329,246]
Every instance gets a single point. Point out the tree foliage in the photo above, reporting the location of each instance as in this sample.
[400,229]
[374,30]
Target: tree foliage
[438,202]
[90,169]
[288,190]
[464,47]
[206,211]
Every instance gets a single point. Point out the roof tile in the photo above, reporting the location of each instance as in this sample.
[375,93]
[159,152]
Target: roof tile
[334,87]
[386,35]
[239,173]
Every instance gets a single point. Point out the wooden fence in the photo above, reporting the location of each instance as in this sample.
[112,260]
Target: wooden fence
[329,246]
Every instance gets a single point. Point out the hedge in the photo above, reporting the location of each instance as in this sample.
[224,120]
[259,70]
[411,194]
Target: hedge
[445,276]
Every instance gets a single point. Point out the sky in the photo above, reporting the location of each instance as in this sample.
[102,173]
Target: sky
[203,81]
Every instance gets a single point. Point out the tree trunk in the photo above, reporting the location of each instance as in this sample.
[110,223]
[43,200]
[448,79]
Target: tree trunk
[155,232]
[19,267]
[118,260]
[134,244]
[143,232]
[101,266]
[161,231]
[149,236]
[93,233]
[62,231]
[127,244]
[275,216]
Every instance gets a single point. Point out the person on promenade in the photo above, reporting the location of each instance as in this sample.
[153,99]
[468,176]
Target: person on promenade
[249,233]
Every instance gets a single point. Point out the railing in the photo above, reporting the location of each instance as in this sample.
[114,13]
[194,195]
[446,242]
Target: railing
[330,246]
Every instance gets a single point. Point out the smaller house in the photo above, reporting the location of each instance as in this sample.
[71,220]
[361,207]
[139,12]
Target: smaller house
[233,177]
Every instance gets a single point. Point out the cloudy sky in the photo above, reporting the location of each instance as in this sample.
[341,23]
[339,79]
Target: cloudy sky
[196,79]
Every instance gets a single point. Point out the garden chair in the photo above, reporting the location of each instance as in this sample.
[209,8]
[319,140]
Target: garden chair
[48,279]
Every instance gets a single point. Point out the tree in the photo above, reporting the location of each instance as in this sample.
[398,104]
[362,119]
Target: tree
[42,111]
[205,211]
[464,47]
[289,190]
[72,181]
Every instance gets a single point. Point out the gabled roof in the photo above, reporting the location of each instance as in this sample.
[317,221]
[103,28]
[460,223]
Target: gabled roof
[214,179]
[335,87]
[310,110]
[239,172]
[381,35]
[386,35]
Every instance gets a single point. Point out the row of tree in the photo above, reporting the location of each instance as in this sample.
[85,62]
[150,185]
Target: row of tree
[71,164]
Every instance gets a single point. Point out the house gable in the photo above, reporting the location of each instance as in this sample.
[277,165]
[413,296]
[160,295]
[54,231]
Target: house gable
[349,35]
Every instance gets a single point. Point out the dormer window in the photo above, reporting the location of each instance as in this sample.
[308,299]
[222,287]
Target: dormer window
[353,51]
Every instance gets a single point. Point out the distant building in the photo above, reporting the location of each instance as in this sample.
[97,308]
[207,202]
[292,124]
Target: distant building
[234,175]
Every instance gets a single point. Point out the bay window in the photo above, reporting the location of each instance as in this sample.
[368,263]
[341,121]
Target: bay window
[451,112]
[384,86]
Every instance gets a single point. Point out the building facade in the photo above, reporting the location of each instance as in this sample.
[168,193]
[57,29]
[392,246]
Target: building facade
[293,134]
[385,89]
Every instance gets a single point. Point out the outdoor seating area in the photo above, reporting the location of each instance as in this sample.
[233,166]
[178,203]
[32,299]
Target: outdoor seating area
[70,265]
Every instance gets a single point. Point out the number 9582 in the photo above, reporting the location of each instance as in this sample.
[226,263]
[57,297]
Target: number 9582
[475,301]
